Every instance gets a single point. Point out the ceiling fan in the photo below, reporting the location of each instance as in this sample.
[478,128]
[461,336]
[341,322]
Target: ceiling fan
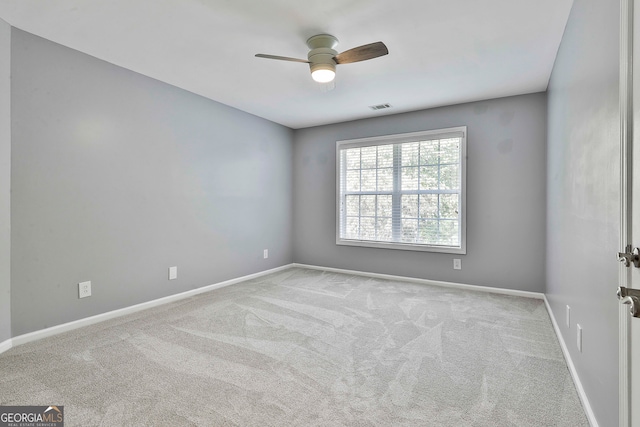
[322,57]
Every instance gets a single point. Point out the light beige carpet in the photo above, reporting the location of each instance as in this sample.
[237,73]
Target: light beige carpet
[307,348]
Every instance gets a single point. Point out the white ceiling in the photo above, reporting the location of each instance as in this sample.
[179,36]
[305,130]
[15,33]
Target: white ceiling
[441,52]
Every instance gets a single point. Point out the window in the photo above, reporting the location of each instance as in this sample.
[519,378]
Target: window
[403,191]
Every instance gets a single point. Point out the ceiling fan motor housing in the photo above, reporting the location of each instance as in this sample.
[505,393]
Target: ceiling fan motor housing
[322,52]
[322,59]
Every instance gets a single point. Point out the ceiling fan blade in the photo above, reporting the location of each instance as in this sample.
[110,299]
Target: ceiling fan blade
[362,53]
[281,58]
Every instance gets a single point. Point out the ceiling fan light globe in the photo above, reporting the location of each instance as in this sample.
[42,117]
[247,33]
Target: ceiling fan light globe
[323,75]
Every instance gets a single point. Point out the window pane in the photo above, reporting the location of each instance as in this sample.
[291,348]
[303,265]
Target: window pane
[410,206]
[410,154]
[368,180]
[353,227]
[385,179]
[449,177]
[429,178]
[448,233]
[353,158]
[353,180]
[367,205]
[368,157]
[352,205]
[409,230]
[385,156]
[409,178]
[384,206]
[368,228]
[450,150]
[449,206]
[429,231]
[428,206]
[384,229]
[429,152]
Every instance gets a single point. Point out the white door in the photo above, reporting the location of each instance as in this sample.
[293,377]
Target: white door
[630,213]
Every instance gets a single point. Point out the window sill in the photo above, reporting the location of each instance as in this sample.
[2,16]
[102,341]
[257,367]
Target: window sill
[403,246]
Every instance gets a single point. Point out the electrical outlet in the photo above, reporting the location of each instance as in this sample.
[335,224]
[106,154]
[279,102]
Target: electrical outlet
[568,317]
[457,264]
[84,289]
[265,254]
[173,273]
[579,337]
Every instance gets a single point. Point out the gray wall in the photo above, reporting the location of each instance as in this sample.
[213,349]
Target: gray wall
[5,180]
[117,176]
[583,197]
[505,195]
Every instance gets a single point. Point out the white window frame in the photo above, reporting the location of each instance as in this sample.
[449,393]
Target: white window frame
[460,131]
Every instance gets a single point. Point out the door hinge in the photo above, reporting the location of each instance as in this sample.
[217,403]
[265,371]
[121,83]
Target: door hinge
[631,255]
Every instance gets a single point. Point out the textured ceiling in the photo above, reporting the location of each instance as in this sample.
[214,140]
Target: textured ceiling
[440,52]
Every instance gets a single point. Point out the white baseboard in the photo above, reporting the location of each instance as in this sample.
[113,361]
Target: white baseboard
[527,294]
[572,369]
[65,327]
[6,345]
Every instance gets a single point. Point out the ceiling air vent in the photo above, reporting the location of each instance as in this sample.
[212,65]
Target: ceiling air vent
[379,107]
